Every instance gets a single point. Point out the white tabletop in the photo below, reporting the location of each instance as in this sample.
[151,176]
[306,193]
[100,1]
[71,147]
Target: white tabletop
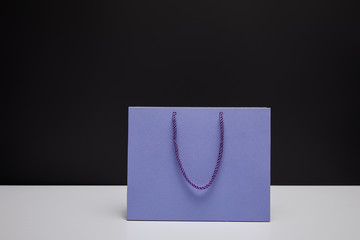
[99,212]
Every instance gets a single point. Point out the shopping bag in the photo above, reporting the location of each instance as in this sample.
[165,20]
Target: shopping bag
[198,164]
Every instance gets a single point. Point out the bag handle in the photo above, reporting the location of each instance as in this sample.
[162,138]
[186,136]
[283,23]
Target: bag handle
[219,156]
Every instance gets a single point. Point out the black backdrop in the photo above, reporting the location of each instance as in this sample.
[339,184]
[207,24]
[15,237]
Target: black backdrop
[73,67]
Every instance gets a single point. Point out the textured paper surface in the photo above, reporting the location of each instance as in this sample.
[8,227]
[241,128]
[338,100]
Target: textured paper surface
[158,191]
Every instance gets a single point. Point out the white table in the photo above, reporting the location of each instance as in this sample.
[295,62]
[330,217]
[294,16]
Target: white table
[99,212]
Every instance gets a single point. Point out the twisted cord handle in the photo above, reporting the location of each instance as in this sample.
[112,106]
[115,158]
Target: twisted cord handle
[219,156]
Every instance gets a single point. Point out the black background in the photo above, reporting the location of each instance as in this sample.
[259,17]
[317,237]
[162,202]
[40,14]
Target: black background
[72,68]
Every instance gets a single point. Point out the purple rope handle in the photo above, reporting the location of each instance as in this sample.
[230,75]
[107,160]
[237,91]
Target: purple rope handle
[219,156]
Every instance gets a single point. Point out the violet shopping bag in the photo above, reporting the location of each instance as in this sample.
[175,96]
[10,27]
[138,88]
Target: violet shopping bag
[198,164]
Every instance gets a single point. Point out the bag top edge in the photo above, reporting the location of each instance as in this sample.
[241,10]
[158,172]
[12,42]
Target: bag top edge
[192,107]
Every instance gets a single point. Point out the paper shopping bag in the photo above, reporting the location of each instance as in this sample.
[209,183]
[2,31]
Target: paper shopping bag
[198,164]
